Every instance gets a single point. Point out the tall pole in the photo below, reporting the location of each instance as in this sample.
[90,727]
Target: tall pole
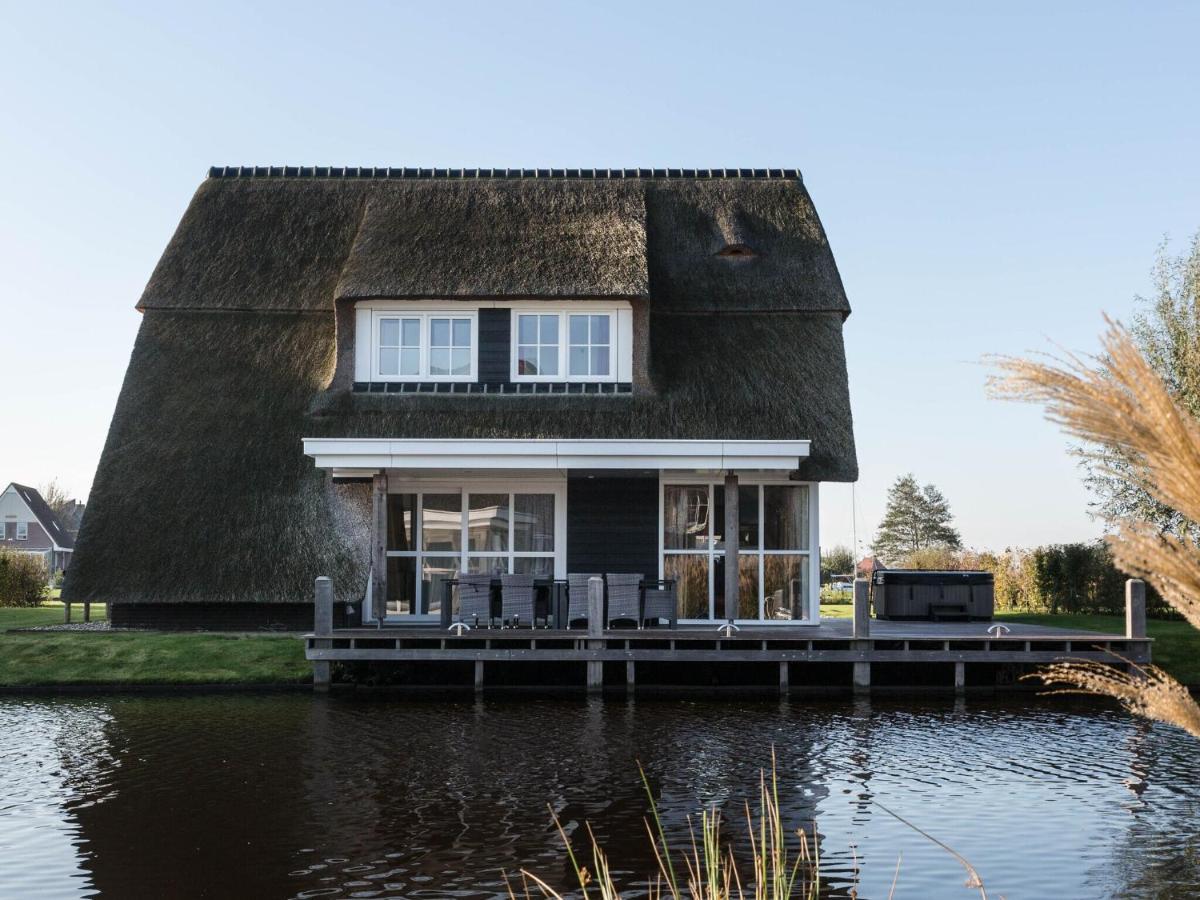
[379,487]
[732,581]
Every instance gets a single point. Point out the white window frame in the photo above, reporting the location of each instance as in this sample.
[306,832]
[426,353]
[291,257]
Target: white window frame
[22,531]
[425,316]
[556,485]
[811,554]
[616,342]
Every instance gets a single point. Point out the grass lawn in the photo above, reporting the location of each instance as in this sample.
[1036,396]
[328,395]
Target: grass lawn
[132,657]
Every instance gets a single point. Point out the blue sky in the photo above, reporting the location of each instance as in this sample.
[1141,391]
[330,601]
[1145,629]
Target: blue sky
[991,178]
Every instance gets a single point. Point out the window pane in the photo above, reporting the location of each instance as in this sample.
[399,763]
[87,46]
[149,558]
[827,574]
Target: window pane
[599,361]
[685,517]
[412,332]
[690,572]
[462,362]
[549,329]
[435,572]
[579,329]
[785,579]
[439,332]
[401,585]
[439,362]
[747,516]
[579,360]
[389,332]
[542,566]
[527,329]
[549,359]
[389,361]
[487,565]
[747,587]
[401,519]
[533,523]
[487,522]
[527,361]
[599,329]
[410,362]
[441,522]
[785,516]
[462,332]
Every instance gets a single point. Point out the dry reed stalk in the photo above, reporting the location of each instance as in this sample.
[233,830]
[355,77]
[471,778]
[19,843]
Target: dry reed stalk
[1119,401]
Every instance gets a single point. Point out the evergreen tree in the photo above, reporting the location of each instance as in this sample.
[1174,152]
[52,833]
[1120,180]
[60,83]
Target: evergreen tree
[916,519]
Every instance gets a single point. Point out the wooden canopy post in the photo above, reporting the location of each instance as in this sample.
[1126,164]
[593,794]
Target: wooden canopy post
[322,629]
[379,490]
[732,581]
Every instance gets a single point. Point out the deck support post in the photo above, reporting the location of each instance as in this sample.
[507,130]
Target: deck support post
[862,678]
[1135,608]
[67,612]
[960,678]
[862,608]
[732,581]
[379,490]
[87,611]
[595,668]
[630,675]
[322,628]
[479,676]
[784,685]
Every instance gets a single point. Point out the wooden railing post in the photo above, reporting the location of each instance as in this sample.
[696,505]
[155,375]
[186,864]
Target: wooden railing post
[1135,608]
[862,608]
[595,605]
[322,628]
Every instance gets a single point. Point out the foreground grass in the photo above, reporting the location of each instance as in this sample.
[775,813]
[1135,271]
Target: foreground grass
[82,658]
[49,613]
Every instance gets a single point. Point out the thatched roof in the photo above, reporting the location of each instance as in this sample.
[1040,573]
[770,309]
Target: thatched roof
[301,243]
[203,492]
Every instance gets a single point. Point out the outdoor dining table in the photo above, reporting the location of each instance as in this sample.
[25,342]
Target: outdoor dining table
[549,593]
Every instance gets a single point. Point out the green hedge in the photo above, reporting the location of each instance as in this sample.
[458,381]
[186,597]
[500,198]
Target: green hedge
[23,579]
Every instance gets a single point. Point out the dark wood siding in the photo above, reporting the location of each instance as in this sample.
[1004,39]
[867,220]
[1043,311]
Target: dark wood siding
[612,525]
[495,345]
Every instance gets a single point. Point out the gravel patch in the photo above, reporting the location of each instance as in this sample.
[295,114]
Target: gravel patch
[99,625]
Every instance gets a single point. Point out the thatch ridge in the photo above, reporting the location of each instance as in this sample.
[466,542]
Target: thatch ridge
[203,493]
[301,243]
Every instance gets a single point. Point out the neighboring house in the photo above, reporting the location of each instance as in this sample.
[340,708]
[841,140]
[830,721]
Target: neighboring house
[393,375]
[29,525]
[868,566]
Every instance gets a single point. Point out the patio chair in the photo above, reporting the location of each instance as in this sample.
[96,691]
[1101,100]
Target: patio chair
[624,598]
[577,594]
[659,602]
[475,598]
[516,599]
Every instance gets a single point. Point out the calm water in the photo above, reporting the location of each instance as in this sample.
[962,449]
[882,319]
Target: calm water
[296,796]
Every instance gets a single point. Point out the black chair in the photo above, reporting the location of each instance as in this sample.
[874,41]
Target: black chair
[624,598]
[577,594]
[516,599]
[659,601]
[475,598]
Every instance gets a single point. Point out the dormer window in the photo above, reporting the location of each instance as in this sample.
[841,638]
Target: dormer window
[564,345]
[736,251]
[423,346]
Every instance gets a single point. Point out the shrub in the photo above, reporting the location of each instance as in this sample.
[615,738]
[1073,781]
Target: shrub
[22,579]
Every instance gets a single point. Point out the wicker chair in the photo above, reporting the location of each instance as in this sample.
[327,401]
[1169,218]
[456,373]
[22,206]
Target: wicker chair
[577,594]
[475,599]
[659,602]
[624,598]
[516,599]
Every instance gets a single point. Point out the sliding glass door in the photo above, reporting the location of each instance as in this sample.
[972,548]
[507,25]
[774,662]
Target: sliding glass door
[775,549]
[438,532]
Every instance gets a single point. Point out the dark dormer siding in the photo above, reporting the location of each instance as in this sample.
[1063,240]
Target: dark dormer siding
[495,346]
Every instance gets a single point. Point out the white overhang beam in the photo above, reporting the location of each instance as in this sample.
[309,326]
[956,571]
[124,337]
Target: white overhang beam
[372,454]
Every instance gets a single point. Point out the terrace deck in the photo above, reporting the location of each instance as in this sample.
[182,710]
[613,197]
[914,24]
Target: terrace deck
[916,644]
